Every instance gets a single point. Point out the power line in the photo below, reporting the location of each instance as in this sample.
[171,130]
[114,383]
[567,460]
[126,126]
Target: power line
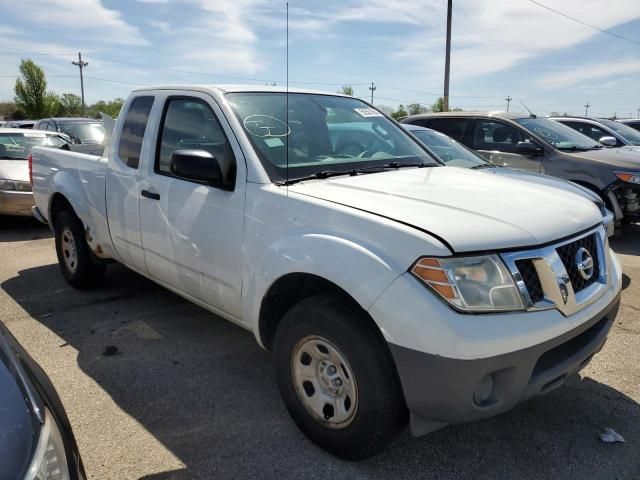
[117,81]
[602,30]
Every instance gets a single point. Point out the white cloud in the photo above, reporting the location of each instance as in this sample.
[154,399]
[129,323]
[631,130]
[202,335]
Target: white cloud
[593,71]
[493,35]
[88,15]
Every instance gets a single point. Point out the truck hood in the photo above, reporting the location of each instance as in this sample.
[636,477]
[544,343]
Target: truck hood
[467,210]
[14,170]
[623,157]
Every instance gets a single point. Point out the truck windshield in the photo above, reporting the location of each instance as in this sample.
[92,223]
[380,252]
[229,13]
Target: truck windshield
[630,134]
[322,132]
[17,146]
[557,134]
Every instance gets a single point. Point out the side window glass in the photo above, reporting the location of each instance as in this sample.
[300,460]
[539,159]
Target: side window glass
[51,127]
[492,135]
[135,124]
[189,123]
[453,127]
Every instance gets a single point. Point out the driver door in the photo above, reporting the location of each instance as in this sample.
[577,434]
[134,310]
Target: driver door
[497,142]
[191,231]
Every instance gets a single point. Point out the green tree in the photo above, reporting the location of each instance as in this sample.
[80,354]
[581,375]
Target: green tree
[416,109]
[346,90]
[70,105]
[438,106]
[400,112]
[111,108]
[31,92]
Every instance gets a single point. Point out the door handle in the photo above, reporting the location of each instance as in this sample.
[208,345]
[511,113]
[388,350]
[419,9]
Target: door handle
[151,195]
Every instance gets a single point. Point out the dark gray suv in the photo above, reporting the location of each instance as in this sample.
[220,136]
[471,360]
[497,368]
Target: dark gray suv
[542,145]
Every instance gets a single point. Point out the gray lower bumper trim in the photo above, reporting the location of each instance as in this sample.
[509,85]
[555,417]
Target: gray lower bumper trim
[440,390]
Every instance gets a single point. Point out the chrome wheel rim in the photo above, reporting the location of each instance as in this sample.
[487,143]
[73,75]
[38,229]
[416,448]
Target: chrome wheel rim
[69,250]
[324,382]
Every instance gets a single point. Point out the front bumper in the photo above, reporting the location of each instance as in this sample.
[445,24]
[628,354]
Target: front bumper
[14,202]
[440,390]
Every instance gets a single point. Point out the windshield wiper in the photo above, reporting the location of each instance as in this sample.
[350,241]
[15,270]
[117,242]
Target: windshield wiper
[484,165]
[394,166]
[321,175]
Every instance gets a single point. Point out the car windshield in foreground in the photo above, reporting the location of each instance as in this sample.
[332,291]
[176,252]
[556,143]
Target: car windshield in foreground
[630,134]
[449,151]
[84,132]
[557,134]
[317,136]
[17,146]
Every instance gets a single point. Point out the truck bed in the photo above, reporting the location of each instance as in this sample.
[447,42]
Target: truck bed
[80,179]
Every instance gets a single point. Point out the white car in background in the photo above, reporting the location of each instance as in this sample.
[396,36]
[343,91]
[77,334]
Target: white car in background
[15,147]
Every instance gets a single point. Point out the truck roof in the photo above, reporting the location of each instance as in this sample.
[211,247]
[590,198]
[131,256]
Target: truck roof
[232,88]
[498,114]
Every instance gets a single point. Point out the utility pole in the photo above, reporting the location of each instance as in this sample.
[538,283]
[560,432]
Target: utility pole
[508,99]
[372,88]
[80,64]
[586,109]
[447,60]
[638,112]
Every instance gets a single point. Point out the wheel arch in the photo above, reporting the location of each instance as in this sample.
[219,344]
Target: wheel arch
[292,288]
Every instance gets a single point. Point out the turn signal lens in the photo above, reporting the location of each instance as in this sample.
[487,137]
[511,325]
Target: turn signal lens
[630,177]
[472,284]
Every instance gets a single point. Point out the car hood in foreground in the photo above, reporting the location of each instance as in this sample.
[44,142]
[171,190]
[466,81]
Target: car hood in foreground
[467,209]
[18,426]
[14,170]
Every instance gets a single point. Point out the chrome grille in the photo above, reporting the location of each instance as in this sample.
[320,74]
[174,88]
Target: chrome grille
[568,256]
[530,277]
[548,277]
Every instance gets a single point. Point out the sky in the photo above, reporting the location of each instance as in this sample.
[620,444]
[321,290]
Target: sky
[500,48]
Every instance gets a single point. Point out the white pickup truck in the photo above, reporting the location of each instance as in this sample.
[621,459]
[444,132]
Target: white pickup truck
[387,286]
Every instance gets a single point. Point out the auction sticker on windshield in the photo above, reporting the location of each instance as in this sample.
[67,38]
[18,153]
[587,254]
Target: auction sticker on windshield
[368,112]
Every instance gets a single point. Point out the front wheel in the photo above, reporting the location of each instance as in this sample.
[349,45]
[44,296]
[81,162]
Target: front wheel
[76,261]
[337,378]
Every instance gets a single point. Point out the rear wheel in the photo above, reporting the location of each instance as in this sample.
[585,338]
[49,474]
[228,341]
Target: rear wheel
[337,378]
[76,261]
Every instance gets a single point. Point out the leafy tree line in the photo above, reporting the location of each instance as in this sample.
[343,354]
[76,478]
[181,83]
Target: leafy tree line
[33,100]
[402,111]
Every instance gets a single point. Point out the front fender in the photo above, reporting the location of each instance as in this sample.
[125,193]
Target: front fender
[360,271]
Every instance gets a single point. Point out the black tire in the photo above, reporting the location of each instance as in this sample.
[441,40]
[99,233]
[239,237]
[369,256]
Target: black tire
[380,412]
[85,272]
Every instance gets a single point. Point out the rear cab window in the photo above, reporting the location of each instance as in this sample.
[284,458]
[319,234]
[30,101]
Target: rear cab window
[135,124]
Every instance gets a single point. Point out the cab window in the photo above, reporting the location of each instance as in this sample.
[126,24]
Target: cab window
[135,124]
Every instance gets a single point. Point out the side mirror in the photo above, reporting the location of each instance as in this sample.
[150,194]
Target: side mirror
[198,165]
[608,141]
[528,148]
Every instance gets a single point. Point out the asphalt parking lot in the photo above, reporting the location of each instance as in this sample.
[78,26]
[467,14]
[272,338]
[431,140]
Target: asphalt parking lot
[189,395]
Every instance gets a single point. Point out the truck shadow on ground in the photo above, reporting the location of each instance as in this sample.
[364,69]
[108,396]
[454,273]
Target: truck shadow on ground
[628,242]
[15,229]
[206,391]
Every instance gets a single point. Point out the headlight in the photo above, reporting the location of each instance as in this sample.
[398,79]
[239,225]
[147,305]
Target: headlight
[7,185]
[22,186]
[49,461]
[631,177]
[471,284]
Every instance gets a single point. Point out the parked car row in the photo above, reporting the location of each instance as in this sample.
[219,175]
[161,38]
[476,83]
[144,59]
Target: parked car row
[390,287]
[542,145]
